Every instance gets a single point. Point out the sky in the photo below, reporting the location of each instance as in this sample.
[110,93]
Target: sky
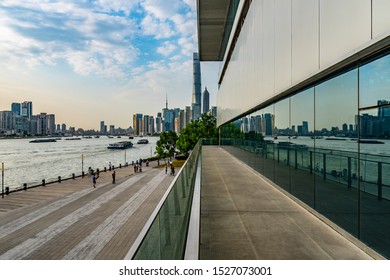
[88,61]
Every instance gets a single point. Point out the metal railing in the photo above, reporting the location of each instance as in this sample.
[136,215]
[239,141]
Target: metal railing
[343,167]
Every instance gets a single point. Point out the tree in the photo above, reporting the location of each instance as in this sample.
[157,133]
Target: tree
[166,145]
[205,127]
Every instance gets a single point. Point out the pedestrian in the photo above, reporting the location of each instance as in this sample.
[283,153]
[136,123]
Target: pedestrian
[94,178]
[166,168]
[113,177]
[135,168]
[173,170]
[109,166]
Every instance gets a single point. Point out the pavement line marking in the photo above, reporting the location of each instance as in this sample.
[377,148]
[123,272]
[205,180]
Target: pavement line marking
[30,245]
[14,225]
[90,247]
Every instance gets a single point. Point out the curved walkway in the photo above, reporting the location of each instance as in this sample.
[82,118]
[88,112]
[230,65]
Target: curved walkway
[244,216]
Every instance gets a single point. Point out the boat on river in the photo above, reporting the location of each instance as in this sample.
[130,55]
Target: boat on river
[143,141]
[43,140]
[120,145]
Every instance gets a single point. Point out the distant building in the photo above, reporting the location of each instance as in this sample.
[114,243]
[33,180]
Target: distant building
[26,109]
[206,101]
[214,111]
[112,129]
[188,117]
[196,89]
[16,108]
[7,121]
[159,123]
[103,128]
[137,124]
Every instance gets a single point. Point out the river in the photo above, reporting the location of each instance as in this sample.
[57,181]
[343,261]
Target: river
[26,162]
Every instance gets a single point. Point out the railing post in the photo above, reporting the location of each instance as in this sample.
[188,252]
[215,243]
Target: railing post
[296,159]
[379,180]
[324,165]
[349,173]
[43,182]
[311,162]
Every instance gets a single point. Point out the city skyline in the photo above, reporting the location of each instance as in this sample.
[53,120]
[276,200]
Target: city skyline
[100,61]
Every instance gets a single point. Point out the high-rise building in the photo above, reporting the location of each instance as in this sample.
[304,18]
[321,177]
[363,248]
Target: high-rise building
[159,122]
[151,125]
[196,89]
[146,125]
[383,111]
[214,111]
[51,124]
[137,124]
[15,107]
[63,128]
[102,128]
[206,101]
[169,120]
[188,117]
[26,109]
[42,124]
[7,120]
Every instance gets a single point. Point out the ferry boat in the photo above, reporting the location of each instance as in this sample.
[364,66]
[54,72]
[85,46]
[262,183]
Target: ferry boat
[143,141]
[120,145]
[43,140]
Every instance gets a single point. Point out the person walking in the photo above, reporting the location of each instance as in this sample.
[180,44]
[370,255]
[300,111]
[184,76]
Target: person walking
[113,177]
[94,178]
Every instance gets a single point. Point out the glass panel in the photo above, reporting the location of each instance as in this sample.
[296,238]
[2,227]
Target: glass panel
[282,144]
[302,146]
[374,84]
[268,126]
[375,179]
[166,237]
[335,198]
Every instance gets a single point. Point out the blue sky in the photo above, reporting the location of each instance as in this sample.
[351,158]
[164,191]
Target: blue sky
[93,60]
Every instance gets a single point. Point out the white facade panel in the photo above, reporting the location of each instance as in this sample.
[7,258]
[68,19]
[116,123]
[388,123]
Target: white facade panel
[282,45]
[344,25]
[305,38]
[268,27]
[380,17]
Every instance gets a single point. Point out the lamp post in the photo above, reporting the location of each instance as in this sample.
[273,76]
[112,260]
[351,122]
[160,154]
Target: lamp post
[82,163]
[2,179]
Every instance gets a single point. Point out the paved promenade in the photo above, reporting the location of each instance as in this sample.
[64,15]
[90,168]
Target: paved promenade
[243,216]
[73,220]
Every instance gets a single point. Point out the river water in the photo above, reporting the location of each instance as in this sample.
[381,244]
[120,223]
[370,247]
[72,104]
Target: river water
[26,162]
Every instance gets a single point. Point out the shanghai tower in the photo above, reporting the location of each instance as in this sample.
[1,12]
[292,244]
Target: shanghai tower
[196,89]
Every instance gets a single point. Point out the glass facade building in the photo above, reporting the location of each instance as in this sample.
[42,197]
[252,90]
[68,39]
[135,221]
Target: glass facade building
[304,99]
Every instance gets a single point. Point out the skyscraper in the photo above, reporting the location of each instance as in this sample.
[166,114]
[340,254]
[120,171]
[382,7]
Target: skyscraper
[196,89]
[206,101]
[15,107]
[26,109]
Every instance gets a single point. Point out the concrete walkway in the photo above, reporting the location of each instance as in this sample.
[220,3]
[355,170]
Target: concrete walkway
[73,220]
[244,216]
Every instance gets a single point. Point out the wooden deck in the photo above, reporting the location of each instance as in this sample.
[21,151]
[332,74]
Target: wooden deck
[73,220]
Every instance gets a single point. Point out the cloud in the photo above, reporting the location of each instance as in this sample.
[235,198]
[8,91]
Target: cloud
[104,36]
[166,49]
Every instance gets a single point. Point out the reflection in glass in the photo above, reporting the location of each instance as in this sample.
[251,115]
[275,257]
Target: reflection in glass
[375,84]
[336,103]
[268,127]
[375,180]
[282,143]
[302,144]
